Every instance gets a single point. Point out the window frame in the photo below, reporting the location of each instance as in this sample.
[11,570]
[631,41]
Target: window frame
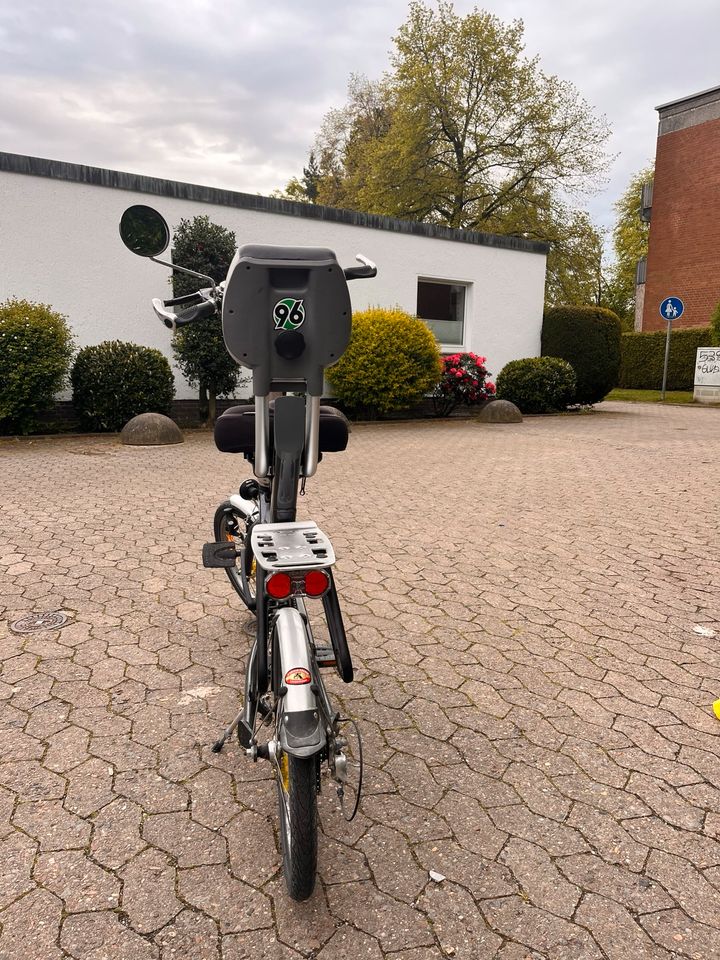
[447,281]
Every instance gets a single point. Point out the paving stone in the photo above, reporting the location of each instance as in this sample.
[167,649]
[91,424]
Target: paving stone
[457,923]
[17,854]
[539,878]
[116,835]
[549,710]
[550,935]
[102,936]
[77,881]
[149,891]
[39,912]
[190,936]
[617,932]
[394,924]
[233,905]
[190,843]
[395,870]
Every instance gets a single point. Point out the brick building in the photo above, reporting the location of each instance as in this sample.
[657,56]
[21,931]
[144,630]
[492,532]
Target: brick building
[684,245]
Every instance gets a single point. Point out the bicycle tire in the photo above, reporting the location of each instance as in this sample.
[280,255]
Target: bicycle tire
[297,805]
[242,575]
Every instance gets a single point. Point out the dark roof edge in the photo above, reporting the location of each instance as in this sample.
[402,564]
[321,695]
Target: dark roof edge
[688,99]
[117,180]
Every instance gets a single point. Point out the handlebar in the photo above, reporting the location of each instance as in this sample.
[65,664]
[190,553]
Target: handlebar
[203,304]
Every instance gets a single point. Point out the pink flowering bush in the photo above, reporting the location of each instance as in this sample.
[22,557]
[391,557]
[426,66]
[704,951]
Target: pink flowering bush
[464,381]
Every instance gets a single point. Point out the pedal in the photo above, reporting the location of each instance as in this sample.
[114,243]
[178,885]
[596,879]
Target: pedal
[325,656]
[221,554]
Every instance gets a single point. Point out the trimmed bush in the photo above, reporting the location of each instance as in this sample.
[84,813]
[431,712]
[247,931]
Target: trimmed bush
[589,339]
[537,384]
[35,351]
[114,381]
[643,358]
[463,382]
[392,361]
[714,328]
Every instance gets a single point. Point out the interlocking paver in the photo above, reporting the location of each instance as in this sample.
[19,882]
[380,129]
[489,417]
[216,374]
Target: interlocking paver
[535,704]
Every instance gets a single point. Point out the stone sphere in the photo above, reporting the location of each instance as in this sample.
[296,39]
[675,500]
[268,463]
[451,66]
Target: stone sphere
[500,411]
[150,430]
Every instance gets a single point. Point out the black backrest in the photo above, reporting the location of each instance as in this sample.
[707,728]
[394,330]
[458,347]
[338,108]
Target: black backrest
[286,315]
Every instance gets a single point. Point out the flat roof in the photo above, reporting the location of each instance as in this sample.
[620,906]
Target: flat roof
[117,180]
[692,96]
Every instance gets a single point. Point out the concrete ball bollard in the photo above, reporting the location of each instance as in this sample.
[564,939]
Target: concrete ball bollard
[500,411]
[151,430]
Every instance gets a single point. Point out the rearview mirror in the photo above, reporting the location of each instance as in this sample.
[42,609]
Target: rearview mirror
[144,231]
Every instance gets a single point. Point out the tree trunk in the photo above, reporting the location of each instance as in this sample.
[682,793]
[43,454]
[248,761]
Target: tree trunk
[212,407]
[203,411]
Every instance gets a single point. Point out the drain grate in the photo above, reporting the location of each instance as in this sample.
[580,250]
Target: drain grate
[35,622]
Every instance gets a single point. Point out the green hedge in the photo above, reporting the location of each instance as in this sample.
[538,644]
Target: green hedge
[589,339]
[715,327]
[537,384]
[114,381]
[643,357]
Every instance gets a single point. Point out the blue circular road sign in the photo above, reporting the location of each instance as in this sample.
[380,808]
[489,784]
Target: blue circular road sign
[671,308]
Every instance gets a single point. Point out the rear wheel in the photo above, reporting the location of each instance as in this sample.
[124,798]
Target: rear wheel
[232,526]
[297,802]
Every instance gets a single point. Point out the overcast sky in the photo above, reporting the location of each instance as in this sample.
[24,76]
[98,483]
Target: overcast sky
[231,93]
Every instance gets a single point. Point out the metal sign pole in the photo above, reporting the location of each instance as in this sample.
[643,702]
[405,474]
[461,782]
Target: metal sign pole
[667,357]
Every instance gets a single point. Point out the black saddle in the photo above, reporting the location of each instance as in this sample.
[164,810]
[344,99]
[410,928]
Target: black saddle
[235,430]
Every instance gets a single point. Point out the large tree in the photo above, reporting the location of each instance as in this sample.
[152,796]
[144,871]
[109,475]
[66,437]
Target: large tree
[199,348]
[467,131]
[630,244]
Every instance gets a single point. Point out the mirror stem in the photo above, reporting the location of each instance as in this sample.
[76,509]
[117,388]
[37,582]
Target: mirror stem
[192,273]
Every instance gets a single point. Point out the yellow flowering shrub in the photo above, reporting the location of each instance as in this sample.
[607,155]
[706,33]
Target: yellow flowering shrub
[392,362]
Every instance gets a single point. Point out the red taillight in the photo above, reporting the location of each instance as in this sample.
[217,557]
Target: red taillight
[316,583]
[279,586]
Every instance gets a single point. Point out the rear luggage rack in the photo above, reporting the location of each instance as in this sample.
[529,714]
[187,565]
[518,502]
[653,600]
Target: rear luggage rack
[288,546]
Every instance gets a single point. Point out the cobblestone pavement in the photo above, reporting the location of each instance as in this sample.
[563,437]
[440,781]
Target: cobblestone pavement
[534,694]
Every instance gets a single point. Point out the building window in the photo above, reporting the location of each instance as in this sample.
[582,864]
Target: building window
[441,304]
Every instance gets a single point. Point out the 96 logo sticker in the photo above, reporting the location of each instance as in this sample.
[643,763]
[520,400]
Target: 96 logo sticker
[289,314]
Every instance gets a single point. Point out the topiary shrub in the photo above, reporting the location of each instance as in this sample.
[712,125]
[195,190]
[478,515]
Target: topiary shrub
[392,361]
[35,351]
[589,339]
[714,328]
[114,381]
[537,384]
[462,382]
[643,358]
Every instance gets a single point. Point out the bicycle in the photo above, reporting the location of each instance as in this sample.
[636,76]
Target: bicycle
[286,316]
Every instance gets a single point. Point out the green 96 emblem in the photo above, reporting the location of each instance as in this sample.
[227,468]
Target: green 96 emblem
[289,314]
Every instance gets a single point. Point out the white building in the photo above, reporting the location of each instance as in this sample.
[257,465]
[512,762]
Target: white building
[59,244]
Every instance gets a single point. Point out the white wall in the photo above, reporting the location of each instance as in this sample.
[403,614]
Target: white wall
[59,244]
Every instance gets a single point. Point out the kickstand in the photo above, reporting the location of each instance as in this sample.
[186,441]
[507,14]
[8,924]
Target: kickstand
[219,744]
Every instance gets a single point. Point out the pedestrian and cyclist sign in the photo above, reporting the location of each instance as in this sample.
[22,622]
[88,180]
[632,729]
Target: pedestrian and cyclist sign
[671,308]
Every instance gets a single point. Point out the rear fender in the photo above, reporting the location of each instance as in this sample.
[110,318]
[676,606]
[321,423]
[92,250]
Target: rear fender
[301,731]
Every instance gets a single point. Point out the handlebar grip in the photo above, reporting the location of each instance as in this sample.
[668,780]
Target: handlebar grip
[202,311]
[177,301]
[367,270]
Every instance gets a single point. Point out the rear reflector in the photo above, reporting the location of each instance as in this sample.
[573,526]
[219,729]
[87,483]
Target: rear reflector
[279,586]
[316,583]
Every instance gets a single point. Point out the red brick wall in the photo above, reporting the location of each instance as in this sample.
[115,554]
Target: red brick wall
[684,244]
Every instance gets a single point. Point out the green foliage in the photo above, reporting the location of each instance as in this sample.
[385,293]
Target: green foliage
[466,130]
[643,358]
[392,361]
[199,348]
[537,384]
[35,351]
[589,339]
[630,243]
[714,328]
[114,381]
